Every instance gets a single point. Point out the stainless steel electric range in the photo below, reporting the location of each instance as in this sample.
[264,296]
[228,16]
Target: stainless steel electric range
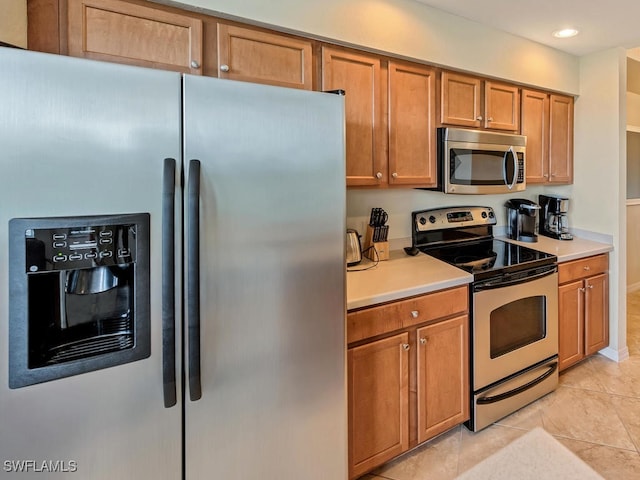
[514,308]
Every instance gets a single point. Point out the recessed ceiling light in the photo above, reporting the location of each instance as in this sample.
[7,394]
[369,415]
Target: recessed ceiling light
[565,33]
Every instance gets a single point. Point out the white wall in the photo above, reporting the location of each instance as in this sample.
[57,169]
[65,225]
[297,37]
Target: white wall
[13,22]
[412,30]
[600,171]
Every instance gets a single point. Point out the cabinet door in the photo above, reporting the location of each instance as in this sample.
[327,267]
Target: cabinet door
[502,106]
[460,100]
[359,76]
[561,139]
[570,324]
[412,148]
[255,56]
[378,396]
[535,125]
[443,376]
[596,319]
[123,32]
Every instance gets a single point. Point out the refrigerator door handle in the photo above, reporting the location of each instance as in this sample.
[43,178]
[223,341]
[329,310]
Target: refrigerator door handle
[193,279]
[168,283]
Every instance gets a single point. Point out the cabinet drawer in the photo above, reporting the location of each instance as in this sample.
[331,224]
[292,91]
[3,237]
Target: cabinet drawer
[404,313]
[585,267]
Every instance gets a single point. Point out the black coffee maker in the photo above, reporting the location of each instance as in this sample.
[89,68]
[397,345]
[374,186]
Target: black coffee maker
[553,220]
[522,220]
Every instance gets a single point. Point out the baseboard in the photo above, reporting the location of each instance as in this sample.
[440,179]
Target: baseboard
[615,355]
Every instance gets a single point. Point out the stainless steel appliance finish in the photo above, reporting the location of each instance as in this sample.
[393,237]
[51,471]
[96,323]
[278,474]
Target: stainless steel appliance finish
[514,303]
[264,361]
[507,396]
[522,219]
[553,219]
[479,162]
[354,248]
[522,334]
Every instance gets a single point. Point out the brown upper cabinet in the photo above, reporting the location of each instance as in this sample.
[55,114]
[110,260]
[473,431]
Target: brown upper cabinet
[390,104]
[407,92]
[468,101]
[254,55]
[547,121]
[412,118]
[358,74]
[117,31]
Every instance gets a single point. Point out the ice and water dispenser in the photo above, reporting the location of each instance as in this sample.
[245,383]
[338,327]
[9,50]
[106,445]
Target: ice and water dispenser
[79,295]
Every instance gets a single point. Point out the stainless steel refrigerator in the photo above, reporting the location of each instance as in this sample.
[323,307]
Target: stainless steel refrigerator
[222,207]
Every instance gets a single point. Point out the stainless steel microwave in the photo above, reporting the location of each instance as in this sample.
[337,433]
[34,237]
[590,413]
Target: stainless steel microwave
[479,162]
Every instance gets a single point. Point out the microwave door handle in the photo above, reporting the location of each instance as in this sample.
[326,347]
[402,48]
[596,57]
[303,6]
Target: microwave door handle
[515,168]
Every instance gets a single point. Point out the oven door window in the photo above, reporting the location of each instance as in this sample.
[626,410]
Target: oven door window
[481,167]
[517,324]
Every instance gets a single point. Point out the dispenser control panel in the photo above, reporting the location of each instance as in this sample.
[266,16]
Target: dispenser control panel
[79,247]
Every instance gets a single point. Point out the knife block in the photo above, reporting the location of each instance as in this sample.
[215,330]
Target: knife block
[382,248]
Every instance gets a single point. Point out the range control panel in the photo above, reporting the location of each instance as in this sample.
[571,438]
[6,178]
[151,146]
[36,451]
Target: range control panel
[50,249]
[453,217]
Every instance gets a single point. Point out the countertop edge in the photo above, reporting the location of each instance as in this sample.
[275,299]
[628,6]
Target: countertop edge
[394,295]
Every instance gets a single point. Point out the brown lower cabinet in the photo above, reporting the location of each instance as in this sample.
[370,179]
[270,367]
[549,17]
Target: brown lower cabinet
[583,302]
[408,381]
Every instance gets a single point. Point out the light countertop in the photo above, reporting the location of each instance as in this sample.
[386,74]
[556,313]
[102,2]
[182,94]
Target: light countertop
[399,277]
[404,276]
[565,250]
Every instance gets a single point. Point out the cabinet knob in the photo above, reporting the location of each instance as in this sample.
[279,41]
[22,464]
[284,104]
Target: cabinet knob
[423,341]
[394,175]
[224,68]
[553,174]
[194,64]
[379,175]
[587,268]
[582,289]
[479,118]
[589,287]
[546,175]
[490,119]
[405,346]
[415,313]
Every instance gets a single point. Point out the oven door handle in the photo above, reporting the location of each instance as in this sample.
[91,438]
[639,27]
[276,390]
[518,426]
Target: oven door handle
[503,396]
[499,283]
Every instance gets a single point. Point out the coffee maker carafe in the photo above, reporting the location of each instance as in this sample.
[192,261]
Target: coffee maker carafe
[522,219]
[553,221]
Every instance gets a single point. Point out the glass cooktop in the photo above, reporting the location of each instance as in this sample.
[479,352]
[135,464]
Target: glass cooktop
[485,258]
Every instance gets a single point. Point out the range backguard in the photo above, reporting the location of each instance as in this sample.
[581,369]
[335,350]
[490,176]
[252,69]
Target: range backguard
[79,295]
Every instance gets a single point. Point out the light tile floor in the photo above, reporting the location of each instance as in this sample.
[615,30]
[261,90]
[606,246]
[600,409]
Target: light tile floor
[595,412]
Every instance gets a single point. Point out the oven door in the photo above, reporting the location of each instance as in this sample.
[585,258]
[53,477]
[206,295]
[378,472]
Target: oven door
[515,325]
[473,168]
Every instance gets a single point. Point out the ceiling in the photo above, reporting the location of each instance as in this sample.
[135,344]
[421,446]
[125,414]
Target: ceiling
[602,24]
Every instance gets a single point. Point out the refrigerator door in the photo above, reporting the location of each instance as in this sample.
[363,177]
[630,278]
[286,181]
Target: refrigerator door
[271,282]
[84,138]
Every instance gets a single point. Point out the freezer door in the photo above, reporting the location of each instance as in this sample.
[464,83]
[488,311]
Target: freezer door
[79,137]
[271,282]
